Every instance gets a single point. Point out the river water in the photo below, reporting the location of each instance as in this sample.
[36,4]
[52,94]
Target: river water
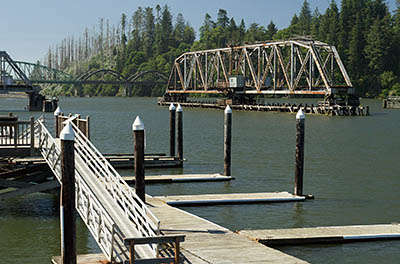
[351,167]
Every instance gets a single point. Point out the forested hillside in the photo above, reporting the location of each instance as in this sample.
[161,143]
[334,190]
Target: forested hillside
[365,33]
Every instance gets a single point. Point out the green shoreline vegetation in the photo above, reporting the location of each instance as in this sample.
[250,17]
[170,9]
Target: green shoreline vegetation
[365,32]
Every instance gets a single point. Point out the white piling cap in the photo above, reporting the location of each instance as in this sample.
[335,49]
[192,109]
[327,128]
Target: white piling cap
[67,133]
[138,124]
[172,107]
[228,110]
[57,112]
[300,114]
[179,108]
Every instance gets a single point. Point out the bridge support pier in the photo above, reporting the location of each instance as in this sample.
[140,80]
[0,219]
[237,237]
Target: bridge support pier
[35,101]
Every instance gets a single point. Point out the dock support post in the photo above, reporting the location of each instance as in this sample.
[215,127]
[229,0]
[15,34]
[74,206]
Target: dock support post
[298,181]
[56,120]
[138,135]
[227,140]
[88,127]
[67,208]
[179,112]
[32,136]
[172,129]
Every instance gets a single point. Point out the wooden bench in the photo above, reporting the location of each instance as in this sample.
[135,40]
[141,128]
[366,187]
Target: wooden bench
[176,239]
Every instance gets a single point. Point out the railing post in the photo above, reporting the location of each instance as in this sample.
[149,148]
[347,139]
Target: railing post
[88,127]
[300,130]
[67,208]
[179,112]
[32,136]
[227,140]
[172,128]
[56,121]
[138,135]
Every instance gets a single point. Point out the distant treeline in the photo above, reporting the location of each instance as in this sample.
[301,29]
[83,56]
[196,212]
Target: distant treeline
[365,32]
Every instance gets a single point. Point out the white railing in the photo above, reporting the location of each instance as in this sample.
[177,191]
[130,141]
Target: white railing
[145,222]
[102,224]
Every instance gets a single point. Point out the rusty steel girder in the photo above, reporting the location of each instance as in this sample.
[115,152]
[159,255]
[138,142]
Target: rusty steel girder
[282,67]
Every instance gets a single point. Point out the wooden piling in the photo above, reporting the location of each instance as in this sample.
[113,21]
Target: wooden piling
[88,127]
[67,208]
[56,121]
[172,129]
[300,120]
[179,112]
[227,140]
[32,147]
[138,135]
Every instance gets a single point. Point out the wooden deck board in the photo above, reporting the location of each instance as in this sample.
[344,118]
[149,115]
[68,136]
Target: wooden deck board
[233,198]
[329,234]
[207,242]
[84,259]
[180,178]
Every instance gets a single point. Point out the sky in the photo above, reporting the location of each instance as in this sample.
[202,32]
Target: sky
[30,27]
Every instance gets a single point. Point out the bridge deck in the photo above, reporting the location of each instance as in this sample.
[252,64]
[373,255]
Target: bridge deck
[207,242]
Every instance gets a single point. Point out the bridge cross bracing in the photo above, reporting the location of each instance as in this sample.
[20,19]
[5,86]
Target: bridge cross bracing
[283,67]
[107,205]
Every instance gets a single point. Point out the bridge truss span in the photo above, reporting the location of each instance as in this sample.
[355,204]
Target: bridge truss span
[281,67]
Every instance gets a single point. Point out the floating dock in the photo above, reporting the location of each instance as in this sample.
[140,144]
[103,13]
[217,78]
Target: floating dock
[118,161]
[180,178]
[233,198]
[318,235]
[207,242]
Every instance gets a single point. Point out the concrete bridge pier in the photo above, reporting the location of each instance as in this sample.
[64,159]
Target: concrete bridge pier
[35,101]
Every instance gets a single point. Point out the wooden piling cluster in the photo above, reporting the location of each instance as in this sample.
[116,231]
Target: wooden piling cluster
[391,102]
[82,124]
[320,109]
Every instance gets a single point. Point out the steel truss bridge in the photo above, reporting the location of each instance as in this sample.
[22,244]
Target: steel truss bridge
[23,76]
[290,67]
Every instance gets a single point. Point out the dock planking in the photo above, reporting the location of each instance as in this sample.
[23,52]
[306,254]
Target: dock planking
[84,259]
[118,161]
[319,235]
[232,198]
[180,178]
[207,242]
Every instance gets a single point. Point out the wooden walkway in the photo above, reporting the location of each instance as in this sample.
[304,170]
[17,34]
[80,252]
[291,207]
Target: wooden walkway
[207,242]
[116,161]
[149,179]
[233,198]
[330,234]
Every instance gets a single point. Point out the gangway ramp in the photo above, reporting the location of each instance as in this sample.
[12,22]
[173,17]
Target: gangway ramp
[107,205]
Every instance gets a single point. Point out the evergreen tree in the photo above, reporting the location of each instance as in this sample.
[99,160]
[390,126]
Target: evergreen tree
[148,32]
[222,20]
[305,18]
[271,30]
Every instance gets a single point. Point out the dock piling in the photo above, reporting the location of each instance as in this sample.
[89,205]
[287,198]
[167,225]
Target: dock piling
[179,112]
[227,140]
[172,129]
[138,135]
[67,204]
[56,120]
[32,124]
[300,120]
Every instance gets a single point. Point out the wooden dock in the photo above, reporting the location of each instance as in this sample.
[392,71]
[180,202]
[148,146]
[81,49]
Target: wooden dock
[329,234]
[84,259]
[233,198]
[117,161]
[207,242]
[149,179]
